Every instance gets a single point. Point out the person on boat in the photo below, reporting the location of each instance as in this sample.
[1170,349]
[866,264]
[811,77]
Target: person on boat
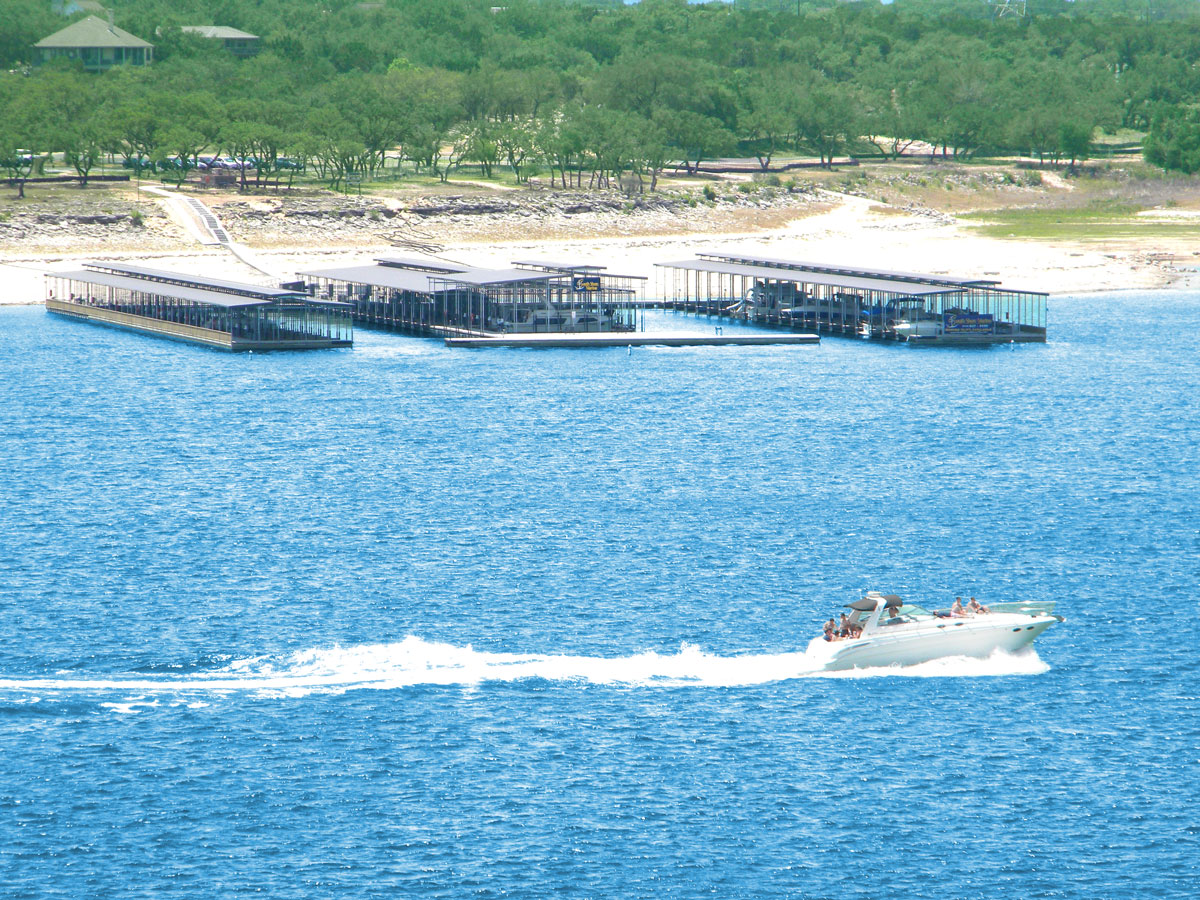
[977,608]
[849,629]
[831,629]
[957,611]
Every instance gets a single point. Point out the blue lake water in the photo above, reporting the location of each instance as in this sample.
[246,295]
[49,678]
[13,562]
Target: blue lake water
[407,621]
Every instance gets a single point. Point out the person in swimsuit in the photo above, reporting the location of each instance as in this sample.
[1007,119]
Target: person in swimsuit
[977,608]
[844,627]
[957,611]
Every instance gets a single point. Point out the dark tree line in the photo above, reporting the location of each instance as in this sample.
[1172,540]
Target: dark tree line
[586,94]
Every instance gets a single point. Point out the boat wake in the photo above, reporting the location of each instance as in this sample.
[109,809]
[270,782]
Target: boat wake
[414,661]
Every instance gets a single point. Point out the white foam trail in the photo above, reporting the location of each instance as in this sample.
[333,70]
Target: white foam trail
[414,661]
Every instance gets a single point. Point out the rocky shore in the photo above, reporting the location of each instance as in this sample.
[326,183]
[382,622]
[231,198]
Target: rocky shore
[87,222]
[104,222]
[514,215]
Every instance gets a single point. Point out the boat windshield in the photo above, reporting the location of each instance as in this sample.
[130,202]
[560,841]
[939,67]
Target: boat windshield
[905,613]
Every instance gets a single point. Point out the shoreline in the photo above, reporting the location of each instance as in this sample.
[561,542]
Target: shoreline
[836,229]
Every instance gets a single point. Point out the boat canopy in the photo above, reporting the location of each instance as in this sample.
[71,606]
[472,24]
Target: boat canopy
[869,602]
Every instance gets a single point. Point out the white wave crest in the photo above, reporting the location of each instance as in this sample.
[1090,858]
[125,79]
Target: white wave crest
[414,661]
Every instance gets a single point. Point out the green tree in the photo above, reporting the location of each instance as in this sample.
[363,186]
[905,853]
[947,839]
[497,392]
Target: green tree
[1174,140]
[138,129]
[180,147]
[238,139]
[19,136]
[16,159]
[769,110]
[559,141]
[25,23]
[516,142]
[83,145]
[827,118]
[1075,141]
[694,137]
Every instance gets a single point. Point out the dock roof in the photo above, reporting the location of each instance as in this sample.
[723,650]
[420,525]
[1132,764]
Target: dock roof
[92,32]
[490,277]
[377,276]
[202,282]
[163,289]
[860,271]
[880,285]
[551,266]
[560,268]
[421,263]
[426,282]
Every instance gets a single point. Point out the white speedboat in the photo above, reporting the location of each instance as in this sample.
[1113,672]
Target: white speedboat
[889,632]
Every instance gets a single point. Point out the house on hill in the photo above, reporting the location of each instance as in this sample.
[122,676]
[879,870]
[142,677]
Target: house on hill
[239,43]
[98,44]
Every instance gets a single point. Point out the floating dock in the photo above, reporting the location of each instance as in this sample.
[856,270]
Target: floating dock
[434,297]
[853,301]
[210,312]
[637,339]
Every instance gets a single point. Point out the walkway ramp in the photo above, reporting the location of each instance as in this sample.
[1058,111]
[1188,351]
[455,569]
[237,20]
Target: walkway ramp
[208,221]
[206,228]
[630,339]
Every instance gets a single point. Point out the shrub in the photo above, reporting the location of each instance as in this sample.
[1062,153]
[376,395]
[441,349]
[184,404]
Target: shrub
[1174,141]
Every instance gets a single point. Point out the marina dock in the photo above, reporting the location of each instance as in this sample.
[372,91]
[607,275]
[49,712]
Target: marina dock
[437,297]
[210,312]
[635,339]
[853,301]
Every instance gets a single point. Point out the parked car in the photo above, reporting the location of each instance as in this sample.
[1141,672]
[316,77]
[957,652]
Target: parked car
[21,159]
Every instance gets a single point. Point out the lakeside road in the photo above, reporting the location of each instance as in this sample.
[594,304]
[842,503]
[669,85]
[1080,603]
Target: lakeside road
[852,230]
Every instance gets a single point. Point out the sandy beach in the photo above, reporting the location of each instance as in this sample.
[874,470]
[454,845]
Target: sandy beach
[838,228]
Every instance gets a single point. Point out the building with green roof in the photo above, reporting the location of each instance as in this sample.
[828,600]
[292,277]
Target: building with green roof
[98,44]
[237,42]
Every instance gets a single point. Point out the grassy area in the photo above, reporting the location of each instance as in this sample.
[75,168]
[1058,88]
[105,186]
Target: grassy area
[1096,222]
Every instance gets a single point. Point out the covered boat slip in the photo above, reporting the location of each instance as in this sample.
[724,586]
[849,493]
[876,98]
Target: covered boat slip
[212,312]
[448,299]
[853,300]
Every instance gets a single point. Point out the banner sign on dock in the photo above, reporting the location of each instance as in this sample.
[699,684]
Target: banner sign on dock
[968,323]
[585,284]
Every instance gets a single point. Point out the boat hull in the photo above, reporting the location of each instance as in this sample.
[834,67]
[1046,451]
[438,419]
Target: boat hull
[976,637]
